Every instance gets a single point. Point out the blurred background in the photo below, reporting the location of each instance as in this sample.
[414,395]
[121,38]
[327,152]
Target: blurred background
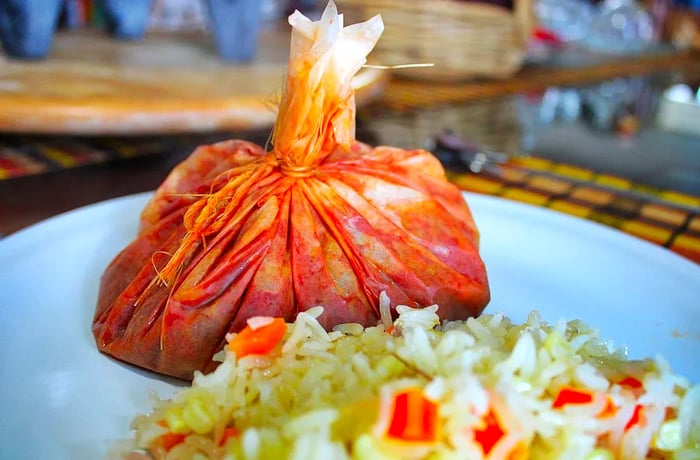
[589,107]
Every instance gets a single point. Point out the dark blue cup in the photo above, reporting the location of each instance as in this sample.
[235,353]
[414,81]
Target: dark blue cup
[235,26]
[127,19]
[27,27]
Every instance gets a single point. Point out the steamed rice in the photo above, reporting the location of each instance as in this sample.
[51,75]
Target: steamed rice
[327,395]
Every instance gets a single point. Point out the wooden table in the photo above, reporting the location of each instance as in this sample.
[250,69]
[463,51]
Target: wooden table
[174,83]
[580,68]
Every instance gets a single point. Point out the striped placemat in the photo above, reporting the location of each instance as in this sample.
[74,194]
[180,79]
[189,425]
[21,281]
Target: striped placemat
[22,155]
[663,217]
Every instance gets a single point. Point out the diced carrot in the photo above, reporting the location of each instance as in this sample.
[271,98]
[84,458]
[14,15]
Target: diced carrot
[638,417]
[610,408]
[170,440]
[490,435]
[258,341]
[631,382]
[572,396]
[229,432]
[414,417]
[390,329]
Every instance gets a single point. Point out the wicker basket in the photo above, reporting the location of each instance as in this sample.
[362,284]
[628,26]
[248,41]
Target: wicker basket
[462,39]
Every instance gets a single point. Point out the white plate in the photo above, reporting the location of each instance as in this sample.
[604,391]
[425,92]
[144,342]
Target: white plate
[60,398]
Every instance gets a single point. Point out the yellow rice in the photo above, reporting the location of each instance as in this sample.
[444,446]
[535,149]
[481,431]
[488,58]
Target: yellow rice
[321,395]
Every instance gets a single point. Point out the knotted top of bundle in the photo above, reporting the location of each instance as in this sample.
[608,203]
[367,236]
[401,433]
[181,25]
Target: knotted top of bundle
[317,112]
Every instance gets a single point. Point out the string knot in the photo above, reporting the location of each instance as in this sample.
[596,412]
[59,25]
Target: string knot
[297,170]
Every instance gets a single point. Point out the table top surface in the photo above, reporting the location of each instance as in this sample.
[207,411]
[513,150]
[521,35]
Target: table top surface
[92,84]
